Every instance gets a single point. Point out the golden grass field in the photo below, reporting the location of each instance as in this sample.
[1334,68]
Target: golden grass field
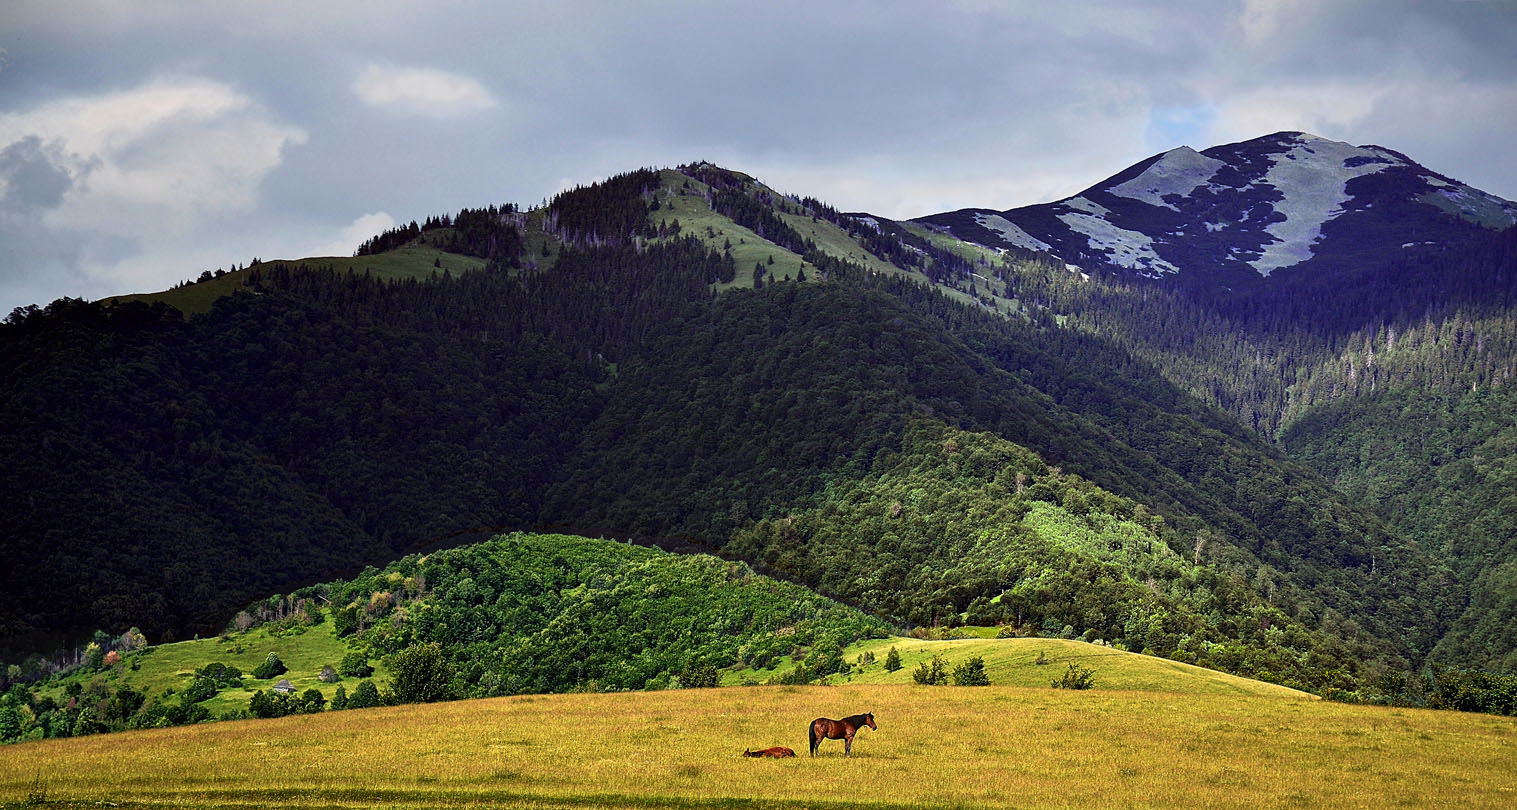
[997,746]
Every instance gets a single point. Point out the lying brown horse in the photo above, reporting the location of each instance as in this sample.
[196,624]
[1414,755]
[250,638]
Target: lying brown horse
[777,752]
[825,729]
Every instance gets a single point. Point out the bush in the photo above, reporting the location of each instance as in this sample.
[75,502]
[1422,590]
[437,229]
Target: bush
[420,674]
[202,688]
[971,673]
[892,660]
[340,699]
[364,697]
[270,668]
[1076,677]
[355,665]
[312,701]
[932,673]
[698,676]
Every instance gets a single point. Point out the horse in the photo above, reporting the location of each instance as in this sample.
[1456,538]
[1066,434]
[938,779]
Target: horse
[777,752]
[825,729]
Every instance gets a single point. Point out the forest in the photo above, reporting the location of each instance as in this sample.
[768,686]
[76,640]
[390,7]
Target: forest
[170,469]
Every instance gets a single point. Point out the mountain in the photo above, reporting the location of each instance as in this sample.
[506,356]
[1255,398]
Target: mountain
[1356,308]
[686,357]
[1282,205]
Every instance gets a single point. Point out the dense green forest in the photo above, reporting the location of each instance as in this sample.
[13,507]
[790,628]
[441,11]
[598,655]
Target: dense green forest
[549,613]
[968,527]
[515,614]
[170,469]
[1442,464]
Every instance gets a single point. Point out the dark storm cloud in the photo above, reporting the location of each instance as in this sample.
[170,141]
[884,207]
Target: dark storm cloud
[340,115]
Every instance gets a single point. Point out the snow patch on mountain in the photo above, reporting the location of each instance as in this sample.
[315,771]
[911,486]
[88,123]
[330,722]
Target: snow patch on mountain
[1083,204]
[1312,176]
[1124,248]
[1011,232]
[1179,171]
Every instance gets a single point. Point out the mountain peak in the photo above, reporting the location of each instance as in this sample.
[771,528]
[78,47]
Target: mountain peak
[1289,200]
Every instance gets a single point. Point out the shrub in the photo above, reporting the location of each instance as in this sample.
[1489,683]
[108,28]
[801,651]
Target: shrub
[355,665]
[1076,677]
[365,696]
[312,701]
[892,660]
[971,673]
[270,668]
[420,674]
[340,699]
[697,676]
[202,688]
[932,673]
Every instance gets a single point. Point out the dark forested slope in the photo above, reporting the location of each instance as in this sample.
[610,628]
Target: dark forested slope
[319,421]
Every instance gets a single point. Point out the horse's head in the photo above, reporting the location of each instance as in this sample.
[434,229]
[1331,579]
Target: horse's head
[869,720]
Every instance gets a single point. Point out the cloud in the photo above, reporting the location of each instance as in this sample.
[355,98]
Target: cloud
[90,178]
[355,234]
[422,91]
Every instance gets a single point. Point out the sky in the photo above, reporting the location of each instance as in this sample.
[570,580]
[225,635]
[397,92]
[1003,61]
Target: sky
[142,142]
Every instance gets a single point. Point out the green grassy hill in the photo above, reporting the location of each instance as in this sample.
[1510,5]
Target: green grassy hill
[998,746]
[413,261]
[1015,662]
[166,669]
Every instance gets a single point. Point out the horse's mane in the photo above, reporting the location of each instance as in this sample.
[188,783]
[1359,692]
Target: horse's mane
[856,719]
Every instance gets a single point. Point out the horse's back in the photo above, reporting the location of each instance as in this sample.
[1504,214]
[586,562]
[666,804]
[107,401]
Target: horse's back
[777,752]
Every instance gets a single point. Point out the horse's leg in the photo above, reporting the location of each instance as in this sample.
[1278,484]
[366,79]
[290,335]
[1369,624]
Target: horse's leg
[848,744]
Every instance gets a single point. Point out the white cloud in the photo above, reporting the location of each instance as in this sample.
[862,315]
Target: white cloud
[422,91]
[1323,108]
[185,144]
[355,233]
[148,169]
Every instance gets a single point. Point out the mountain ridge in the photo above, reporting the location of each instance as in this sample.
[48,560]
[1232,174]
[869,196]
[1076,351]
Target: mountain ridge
[611,286]
[1232,213]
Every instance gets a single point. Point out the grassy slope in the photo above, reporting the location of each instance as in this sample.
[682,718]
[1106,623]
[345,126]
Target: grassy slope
[695,216]
[1010,662]
[935,747]
[172,666]
[411,261]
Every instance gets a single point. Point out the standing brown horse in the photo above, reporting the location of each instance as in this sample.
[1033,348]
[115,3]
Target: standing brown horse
[825,729]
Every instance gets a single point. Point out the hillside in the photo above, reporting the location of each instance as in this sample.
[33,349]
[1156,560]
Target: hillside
[1033,663]
[1379,362]
[518,613]
[616,392]
[1030,747]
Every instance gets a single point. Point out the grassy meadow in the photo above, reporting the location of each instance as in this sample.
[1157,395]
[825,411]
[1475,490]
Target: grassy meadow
[997,746]
[410,262]
[1012,662]
[171,667]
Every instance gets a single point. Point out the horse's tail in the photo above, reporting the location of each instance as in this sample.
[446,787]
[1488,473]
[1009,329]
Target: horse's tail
[811,736]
